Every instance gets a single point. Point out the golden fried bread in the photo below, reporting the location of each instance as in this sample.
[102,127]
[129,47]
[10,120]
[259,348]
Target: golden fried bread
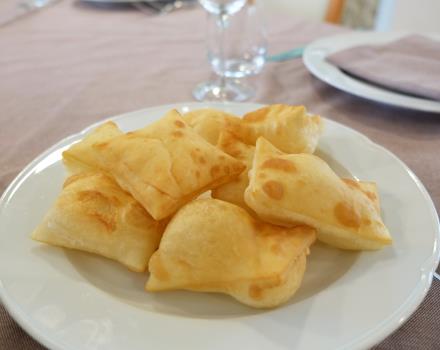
[82,156]
[166,164]
[289,128]
[233,191]
[136,198]
[292,189]
[95,215]
[215,246]
[209,123]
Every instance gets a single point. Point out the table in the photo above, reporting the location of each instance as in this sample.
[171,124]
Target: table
[72,64]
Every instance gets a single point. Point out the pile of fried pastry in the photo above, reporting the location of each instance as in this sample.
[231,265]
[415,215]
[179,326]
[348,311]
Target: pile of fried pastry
[211,202]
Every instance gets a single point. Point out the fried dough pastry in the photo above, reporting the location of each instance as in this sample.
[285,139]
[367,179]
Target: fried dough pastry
[95,215]
[209,123]
[166,164]
[289,128]
[215,246]
[233,191]
[292,189]
[82,156]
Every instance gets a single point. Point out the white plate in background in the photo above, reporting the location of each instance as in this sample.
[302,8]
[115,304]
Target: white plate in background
[314,59]
[117,1]
[70,300]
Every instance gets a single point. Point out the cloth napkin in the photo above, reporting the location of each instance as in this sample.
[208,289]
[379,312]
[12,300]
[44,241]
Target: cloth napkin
[410,65]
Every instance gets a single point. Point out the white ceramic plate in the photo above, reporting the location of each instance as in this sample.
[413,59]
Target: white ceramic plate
[72,300]
[315,60]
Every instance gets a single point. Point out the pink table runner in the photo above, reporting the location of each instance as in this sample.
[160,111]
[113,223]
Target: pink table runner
[70,65]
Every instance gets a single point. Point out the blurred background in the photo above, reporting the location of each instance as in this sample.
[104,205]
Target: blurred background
[381,15]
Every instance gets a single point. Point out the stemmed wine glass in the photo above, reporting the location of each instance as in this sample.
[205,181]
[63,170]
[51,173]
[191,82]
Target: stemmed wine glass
[236,49]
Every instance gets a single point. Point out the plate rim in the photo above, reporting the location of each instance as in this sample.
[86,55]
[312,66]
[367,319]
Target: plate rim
[368,339]
[319,74]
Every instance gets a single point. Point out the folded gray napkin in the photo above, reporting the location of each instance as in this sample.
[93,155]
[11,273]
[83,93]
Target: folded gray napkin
[410,65]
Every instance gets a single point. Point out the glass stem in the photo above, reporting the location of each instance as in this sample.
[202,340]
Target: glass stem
[223,18]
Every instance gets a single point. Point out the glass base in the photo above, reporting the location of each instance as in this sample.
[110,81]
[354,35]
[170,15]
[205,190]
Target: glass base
[231,90]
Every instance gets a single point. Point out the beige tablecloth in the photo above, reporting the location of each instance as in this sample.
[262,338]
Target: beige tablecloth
[70,65]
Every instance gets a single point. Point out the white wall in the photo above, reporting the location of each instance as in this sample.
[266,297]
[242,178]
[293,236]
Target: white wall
[409,15]
[309,9]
